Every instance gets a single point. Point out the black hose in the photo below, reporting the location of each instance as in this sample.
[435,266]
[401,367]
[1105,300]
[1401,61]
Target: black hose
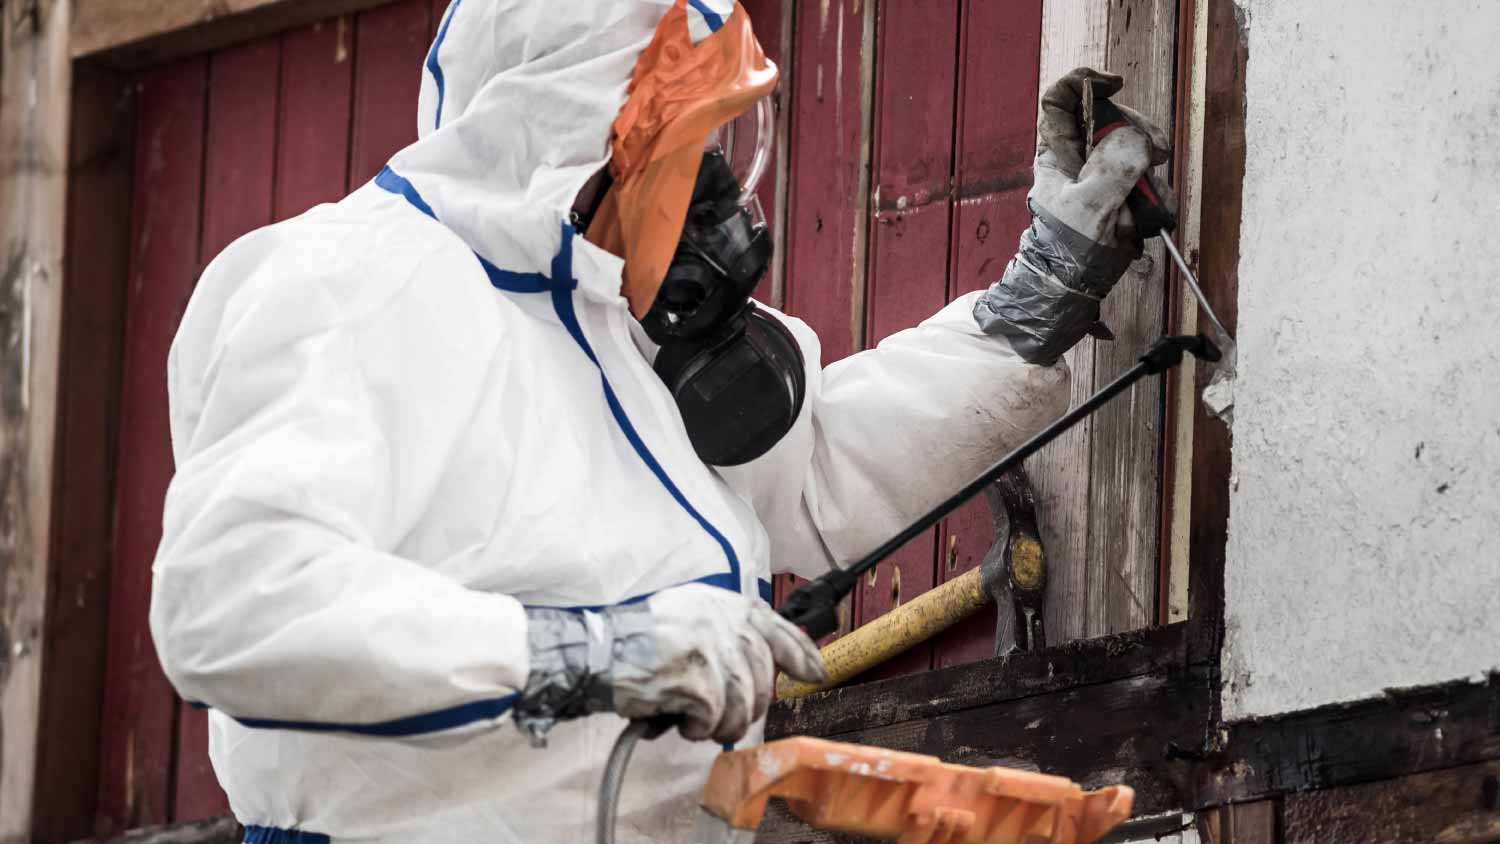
[614,778]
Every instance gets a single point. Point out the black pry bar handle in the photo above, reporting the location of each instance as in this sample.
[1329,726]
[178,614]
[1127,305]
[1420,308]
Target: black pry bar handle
[813,606]
[1152,216]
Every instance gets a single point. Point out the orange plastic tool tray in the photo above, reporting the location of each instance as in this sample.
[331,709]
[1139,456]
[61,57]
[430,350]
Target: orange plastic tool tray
[908,798]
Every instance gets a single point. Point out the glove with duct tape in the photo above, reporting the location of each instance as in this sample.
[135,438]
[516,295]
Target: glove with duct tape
[707,654]
[1082,238]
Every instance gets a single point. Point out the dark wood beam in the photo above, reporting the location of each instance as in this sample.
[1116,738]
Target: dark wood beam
[1455,806]
[140,33]
[1079,663]
[1406,732]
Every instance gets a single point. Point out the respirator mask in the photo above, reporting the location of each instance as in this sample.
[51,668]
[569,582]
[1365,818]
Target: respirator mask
[735,371]
[681,211]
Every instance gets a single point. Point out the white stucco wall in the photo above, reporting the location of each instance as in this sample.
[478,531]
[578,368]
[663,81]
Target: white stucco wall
[1364,537]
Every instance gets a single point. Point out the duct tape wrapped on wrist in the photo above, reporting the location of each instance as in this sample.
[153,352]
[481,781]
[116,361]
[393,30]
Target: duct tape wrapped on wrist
[577,658]
[1049,298]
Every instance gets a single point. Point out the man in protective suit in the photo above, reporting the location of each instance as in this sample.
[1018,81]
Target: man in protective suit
[456,478]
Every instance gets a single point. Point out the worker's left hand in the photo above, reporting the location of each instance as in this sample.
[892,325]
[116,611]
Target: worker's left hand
[700,652]
[717,655]
[1083,237]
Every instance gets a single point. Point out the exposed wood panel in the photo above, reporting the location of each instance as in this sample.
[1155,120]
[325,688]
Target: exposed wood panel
[145,33]
[1456,806]
[1181,399]
[140,706]
[1099,486]
[312,149]
[35,80]
[999,49]
[916,49]
[1074,33]
[1125,472]
[98,254]
[238,174]
[391,44]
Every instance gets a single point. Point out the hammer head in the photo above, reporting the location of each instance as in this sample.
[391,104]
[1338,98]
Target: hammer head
[1014,573]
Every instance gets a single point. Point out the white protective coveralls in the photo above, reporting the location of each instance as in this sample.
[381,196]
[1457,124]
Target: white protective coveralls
[399,419]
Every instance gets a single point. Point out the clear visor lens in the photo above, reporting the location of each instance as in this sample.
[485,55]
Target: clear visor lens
[713,245]
[746,142]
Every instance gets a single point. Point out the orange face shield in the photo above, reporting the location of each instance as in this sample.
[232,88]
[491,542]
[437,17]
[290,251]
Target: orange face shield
[680,94]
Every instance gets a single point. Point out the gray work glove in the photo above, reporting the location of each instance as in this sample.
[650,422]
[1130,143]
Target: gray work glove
[1082,238]
[705,653]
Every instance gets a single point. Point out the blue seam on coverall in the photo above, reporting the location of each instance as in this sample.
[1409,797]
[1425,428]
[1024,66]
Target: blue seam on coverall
[276,835]
[436,68]
[712,18]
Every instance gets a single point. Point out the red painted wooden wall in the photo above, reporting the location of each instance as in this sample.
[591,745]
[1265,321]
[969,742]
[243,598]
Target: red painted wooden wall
[935,97]
[225,143]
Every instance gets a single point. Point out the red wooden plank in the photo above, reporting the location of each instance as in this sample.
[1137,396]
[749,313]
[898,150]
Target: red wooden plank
[914,94]
[312,148]
[390,46]
[1001,54]
[825,228]
[140,706]
[238,174]
[439,12]
[317,95]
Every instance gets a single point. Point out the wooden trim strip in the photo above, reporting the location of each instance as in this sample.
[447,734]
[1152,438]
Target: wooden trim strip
[141,33]
[100,169]
[35,95]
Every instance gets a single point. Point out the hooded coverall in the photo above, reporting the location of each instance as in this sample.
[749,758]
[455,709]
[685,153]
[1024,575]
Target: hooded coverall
[401,418]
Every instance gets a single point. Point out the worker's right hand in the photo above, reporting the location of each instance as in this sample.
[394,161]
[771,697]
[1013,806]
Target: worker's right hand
[707,654]
[1082,237]
[717,653]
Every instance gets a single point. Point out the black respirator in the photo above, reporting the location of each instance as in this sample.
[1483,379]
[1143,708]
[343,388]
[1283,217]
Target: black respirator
[735,371]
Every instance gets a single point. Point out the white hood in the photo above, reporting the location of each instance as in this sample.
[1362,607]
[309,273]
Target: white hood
[517,101]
